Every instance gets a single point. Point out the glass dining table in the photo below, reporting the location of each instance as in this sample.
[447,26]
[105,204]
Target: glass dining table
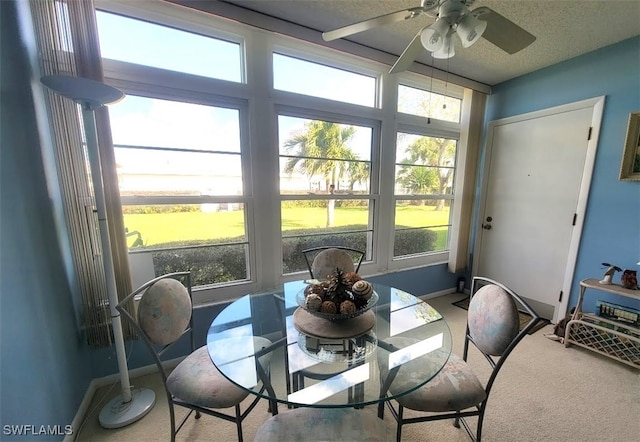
[300,368]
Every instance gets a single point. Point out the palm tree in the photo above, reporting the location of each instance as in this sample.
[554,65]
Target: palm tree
[322,149]
[429,167]
[358,171]
[419,180]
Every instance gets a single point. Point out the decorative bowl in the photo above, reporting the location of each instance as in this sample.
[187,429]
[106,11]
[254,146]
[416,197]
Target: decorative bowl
[300,299]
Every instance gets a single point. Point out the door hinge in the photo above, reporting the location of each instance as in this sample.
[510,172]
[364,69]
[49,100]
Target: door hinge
[560,298]
[575,218]
[589,136]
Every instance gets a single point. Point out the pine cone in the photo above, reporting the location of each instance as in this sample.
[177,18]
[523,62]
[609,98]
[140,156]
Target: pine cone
[336,291]
[351,278]
[360,302]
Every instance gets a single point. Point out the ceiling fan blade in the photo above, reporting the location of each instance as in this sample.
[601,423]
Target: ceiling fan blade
[502,32]
[382,20]
[408,56]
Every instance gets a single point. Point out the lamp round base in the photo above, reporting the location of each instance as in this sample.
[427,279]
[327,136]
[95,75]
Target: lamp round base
[118,414]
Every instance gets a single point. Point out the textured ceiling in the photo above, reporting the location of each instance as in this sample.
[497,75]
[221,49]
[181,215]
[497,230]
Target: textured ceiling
[564,29]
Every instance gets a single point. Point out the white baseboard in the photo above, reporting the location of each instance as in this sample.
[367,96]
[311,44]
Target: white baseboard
[111,379]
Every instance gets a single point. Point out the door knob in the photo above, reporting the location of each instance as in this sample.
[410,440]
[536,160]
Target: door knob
[486,226]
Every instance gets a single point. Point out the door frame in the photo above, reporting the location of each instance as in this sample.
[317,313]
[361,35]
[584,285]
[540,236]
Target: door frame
[597,106]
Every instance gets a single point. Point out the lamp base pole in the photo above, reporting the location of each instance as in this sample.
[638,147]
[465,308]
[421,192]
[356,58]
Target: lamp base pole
[118,414]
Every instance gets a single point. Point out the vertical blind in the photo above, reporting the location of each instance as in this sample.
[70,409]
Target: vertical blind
[66,35]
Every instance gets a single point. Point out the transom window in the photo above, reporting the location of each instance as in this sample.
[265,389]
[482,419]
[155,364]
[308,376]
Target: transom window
[305,77]
[150,44]
[423,103]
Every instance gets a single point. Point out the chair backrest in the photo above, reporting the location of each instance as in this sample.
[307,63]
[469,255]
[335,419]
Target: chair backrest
[164,312]
[493,322]
[493,319]
[323,261]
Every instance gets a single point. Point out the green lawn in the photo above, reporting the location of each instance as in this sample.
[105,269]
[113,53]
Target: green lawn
[184,226]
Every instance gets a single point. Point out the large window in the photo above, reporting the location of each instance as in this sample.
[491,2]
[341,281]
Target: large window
[424,173]
[239,153]
[180,176]
[325,185]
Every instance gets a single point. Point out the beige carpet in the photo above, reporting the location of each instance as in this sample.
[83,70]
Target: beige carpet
[545,392]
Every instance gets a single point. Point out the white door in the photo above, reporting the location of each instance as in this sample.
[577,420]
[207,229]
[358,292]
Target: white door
[536,181]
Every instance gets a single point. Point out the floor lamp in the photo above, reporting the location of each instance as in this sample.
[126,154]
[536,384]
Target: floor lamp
[91,95]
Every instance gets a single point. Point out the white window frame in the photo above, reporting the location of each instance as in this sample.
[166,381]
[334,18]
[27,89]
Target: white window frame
[263,102]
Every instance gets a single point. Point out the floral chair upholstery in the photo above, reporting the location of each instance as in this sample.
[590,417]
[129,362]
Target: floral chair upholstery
[493,327]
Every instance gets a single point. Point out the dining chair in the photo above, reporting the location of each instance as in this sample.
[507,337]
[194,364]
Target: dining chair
[326,424]
[164,316]
[456,392]
[323,261]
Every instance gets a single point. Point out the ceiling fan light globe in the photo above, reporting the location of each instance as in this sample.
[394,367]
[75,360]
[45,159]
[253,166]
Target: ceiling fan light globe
[432,37]
[431,40]
[470,29]
[447,50]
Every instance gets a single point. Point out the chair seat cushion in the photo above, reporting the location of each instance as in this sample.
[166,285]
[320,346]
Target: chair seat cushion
[327,424]
[454,388]
[197,381]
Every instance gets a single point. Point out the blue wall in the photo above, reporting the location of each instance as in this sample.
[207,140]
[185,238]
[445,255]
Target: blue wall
[611,230]
[44,366]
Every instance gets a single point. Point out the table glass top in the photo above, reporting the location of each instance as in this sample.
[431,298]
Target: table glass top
[400,334]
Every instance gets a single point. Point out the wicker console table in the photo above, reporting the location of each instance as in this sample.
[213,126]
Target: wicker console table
[615,339]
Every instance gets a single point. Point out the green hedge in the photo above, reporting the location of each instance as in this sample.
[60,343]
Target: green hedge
[207,264]
[210,264]
[299,239]
[412,241]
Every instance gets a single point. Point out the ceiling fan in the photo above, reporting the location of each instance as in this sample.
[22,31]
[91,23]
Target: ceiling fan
[451,17]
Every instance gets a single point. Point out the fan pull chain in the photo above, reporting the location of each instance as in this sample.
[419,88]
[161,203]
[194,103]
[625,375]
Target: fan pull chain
[446,83]
[430,89]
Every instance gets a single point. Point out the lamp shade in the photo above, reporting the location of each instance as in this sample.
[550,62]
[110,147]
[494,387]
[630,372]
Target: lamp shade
[432,37]
[446,50]
[83,90]
[470,29]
